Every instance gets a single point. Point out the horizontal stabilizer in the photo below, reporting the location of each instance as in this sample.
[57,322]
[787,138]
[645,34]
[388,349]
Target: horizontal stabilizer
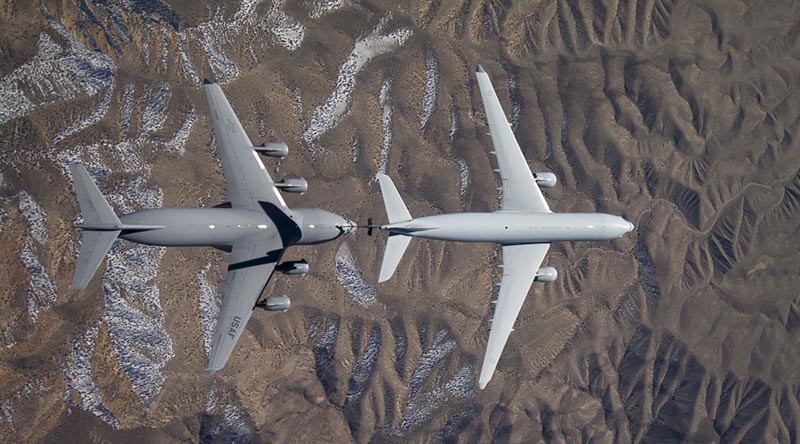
[94,208]
[395,247]
[97,213]
[396,210]
[94,247]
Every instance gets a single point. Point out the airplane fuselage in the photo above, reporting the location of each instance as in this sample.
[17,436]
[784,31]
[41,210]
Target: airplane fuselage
[510,227]
[221,227]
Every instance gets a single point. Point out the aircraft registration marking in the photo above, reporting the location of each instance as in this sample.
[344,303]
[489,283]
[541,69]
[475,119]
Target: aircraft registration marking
[237,321]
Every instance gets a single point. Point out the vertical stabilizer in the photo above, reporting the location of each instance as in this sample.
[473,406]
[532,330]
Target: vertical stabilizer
[98,213]
[396,211]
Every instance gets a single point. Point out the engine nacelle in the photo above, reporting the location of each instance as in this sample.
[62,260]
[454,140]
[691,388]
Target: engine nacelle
[274,149]
[545,180]
[546,274]
[276,303]
[293,185]
[293,268]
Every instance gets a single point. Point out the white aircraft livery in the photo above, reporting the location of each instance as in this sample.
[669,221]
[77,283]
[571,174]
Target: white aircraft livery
[255,227]
[524,226]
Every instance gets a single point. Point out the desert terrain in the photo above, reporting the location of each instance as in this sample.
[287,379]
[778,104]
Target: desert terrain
[683,116]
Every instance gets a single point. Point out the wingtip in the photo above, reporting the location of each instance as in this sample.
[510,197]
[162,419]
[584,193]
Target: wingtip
[479,68]
[211,371]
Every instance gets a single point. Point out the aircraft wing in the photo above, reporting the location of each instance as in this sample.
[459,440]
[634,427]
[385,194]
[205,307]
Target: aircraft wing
[520,191]
[520,263]
[247,179]
[251,265]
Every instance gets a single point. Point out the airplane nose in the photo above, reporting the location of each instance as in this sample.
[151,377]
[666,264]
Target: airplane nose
[630,226]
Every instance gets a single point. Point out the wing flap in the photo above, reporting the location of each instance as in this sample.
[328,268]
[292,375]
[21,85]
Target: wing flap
[520,191]
[520,263]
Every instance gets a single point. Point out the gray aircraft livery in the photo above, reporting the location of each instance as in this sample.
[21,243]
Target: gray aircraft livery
[256,226]
[524,226]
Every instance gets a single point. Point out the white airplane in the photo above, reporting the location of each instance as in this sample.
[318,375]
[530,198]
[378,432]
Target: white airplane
[524,226]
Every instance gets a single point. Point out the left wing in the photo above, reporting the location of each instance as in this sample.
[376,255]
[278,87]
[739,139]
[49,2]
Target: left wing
[251,265]
[520,191]
[247,178]
[520,264]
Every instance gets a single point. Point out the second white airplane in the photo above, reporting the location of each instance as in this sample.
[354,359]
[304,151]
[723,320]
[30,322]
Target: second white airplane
[524,226]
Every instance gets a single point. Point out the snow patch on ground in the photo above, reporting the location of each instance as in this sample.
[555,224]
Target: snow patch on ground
[463,174]
[77,372]
[331,112]
[429,98]
[225,70]
[188,67]
[178,143]
[93,118]
[454,123]
[421,406]
[355,149]
[298,103]
[439,349]
[349,275]
[288,32]
[54,74]
[363,367]
[385,99]
[324,348]
[164,48]
[127,108]
[35,217]
[232,423]
[320,8]
[41,288]
[135,317]
[154,110]
[516,107]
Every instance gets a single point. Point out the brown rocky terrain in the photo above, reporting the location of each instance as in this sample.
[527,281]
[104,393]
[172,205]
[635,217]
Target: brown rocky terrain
[681,115]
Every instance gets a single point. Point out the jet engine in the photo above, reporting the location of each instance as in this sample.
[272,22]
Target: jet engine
[274,149]
[293,185]
[546,274]
[276,303]
[293,268]
[545,180]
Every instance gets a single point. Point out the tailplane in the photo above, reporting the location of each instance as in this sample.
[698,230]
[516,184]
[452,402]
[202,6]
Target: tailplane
[99,226]
[396,211]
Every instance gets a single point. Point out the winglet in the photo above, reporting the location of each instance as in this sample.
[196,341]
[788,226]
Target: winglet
[479,68]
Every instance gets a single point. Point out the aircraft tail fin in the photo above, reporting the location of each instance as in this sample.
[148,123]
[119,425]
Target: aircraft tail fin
[96,212]
[395,247]
[396,210]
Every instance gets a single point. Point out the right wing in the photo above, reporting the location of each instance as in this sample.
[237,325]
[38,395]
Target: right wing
[251,265]
[520,191]
[520,264]
[247,178]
